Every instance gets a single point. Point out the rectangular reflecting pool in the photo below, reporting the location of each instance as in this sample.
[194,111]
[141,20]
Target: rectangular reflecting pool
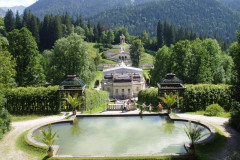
[133,135]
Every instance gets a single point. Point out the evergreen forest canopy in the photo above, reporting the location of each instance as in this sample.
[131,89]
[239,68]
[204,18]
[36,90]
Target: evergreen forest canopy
[234,4]
[208,17]
[77,7]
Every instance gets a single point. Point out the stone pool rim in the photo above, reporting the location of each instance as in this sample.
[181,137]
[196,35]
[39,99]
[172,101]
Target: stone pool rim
[71,120]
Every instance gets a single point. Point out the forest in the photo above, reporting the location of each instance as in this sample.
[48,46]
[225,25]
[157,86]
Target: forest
[208,17]
[76,7]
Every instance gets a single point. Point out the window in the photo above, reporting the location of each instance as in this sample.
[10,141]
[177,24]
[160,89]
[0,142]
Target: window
[122,90]
[137,89]
[116,91]
[129,91]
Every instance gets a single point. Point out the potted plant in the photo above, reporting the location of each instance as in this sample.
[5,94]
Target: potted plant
[194,133]
[48,137]
[169,100]
[75,101]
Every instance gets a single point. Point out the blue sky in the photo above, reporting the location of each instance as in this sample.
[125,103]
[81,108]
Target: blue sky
[11,3]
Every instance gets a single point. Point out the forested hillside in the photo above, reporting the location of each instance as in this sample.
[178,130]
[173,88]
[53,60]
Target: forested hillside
[2,13]
[208,17]
[77,7]
[235,4]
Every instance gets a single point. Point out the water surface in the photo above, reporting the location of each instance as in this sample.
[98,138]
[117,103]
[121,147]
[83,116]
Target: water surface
[122,136]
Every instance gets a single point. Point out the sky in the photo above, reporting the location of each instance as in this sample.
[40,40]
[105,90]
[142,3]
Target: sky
[11,3]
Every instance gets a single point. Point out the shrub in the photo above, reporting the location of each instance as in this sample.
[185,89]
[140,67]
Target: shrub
[5,121]
[214,110]
[235,116]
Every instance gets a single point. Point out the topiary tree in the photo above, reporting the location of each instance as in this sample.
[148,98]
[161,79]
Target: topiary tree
[214,110]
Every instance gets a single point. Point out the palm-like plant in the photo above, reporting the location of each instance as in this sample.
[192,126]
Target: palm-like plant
[48,137]
[75,101]
[194,133]
[169,100]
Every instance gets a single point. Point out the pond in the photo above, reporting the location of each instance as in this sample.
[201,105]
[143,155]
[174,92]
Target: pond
[132,135]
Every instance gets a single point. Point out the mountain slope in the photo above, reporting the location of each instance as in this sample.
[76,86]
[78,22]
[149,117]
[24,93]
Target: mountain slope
[202,16]
[2,12]
[235,4]
[76,7]
[20,9]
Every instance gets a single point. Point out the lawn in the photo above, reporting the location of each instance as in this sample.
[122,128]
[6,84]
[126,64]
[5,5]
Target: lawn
[146,58]
[99,76]
[106,61]
[224,114]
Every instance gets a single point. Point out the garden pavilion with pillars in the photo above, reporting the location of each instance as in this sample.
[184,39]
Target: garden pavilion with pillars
[71,85]
[171,84]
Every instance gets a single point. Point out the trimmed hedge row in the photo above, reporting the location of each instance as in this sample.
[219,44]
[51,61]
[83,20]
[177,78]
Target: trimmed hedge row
[32,100]
[95,98]
[42,100]
[195,97]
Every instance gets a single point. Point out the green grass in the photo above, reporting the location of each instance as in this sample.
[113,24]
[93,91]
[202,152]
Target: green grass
[207,150]
[99,76]
[224,114]
[146,58]
[23,144]
[107,61]
[146,74]
[114,49]
[18,118]
[91,50]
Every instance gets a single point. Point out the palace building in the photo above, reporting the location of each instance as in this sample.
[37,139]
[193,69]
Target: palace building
[123,82]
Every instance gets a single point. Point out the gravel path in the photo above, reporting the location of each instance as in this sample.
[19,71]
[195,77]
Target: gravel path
[233,137]
[8,148]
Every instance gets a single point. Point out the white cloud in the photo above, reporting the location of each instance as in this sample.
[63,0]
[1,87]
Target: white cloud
[11,3]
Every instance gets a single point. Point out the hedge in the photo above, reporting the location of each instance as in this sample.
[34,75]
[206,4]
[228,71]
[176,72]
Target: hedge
[32,100]
[95,98]
[195,97]
[35,100]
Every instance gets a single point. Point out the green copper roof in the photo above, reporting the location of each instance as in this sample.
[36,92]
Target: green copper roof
[73,80]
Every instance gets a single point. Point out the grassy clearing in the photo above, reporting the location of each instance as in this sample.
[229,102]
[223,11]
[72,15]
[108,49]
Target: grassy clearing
[91,50]
[146,74]
[146,58]
[18,118]
[114,49]
[206,150]
[99,76]
[224,114]
[107,61]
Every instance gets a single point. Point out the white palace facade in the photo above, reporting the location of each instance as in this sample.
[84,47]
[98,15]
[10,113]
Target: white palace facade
[123,82]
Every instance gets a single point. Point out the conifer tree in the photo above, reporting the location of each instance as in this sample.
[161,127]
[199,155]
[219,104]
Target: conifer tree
[9,21]
[18,21]
[159,35]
